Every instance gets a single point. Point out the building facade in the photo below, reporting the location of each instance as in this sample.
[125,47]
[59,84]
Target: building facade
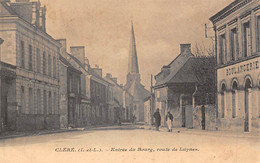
[35,55]
[237,30]
[71,114]
[181,85]
[122,100]
[94,103]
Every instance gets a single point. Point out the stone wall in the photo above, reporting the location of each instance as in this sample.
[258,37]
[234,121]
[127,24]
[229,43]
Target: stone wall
[210,117]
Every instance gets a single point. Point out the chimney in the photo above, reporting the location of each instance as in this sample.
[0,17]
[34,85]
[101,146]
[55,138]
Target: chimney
[98,71]
[63,43]
[108,75]
[42,18]
[114,79]
[166,70]
[79,53]
[35,13]
[185,48]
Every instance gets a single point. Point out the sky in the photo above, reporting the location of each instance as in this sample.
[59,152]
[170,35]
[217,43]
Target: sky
[103,27]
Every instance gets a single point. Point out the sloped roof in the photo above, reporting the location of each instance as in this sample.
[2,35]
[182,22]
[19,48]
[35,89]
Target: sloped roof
[6,10]
[90,70]
[187,73]
[67,63]
[174,67]
[112,82]
[138,91]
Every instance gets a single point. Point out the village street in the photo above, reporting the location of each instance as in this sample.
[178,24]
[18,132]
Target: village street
[128,143]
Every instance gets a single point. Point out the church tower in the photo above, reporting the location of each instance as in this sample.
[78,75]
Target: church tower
[133,80]
[133,68]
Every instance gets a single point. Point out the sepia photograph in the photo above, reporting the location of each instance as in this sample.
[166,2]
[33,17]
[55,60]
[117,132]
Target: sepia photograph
[129,81]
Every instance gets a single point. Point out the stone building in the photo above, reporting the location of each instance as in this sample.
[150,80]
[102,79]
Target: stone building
[181,85]
[34,53]
[133,81]
[122,100]
[73,103]
[94,105]
[237,34]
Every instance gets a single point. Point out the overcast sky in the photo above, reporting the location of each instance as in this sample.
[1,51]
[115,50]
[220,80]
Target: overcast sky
[103,27]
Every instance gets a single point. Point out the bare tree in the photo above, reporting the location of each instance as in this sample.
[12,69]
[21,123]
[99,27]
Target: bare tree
[202,50]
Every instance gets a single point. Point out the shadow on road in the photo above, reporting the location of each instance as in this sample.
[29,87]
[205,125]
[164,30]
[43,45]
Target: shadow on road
[61,137]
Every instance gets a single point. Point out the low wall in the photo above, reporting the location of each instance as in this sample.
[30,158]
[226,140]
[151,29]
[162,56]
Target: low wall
[30,122]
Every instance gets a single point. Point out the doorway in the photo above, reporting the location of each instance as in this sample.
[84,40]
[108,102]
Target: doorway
[248,87]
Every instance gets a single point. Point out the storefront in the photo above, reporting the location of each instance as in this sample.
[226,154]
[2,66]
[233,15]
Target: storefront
[237,29]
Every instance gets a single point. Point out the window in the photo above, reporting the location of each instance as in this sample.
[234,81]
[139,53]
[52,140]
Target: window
[54,67]
[55,108]
[22,54]
[246,39]
[222,49]
[49,65]
[44,102]
[39,110]
[31,106]
[223,89]
[234,99]
[233,45]
[22,100]
[258,33]
[44,63]
[30,58]
[50,103]
[38,58]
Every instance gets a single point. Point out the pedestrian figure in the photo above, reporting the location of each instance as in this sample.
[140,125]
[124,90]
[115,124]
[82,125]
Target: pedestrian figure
[134,119]
[203,117]
[169,120]
[157,117]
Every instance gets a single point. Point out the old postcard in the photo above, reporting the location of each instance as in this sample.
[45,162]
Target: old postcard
[129,81]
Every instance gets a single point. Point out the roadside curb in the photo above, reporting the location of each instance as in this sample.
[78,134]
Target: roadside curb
[49,132]
[206,132]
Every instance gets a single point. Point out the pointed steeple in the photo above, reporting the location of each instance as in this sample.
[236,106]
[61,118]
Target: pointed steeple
[132,60]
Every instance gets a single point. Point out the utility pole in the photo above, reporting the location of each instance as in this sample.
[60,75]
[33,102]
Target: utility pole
[151,101]
[1,120]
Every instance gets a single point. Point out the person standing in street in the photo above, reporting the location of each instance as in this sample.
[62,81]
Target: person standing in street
[157,117]
[169,120]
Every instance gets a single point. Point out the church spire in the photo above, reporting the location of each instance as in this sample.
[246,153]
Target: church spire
[132,60]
